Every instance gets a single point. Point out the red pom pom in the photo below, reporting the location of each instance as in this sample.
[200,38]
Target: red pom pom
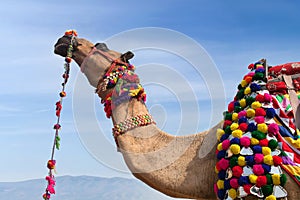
[258,158]
[237,171]
[231,106]
[261,181]
[243,127]
[264,142]
[234,183]
[251,66]
[247,188]
[260,98]
[277,160]
[227,123]
[260,112]
[223,163]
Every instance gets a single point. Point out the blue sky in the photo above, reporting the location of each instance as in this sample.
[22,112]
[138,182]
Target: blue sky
[234,33]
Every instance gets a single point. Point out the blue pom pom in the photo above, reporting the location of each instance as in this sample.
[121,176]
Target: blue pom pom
[260,70]
[257,149]
[221,154]
[270,112]
[266,167]
[224,137]
[255,87]
[227,184]
[222,174]
[221,194]
[235,141]
[236,103]
[243,120]
[243,180]
[252,127]
[250,160]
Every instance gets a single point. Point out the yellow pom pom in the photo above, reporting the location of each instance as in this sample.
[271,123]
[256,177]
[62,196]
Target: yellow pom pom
[219,147]
[241,161]
[253,178]
[254,141]
[235,117]
[271,197]
[276,179]
[244,83]
[220,132]
[234,126]
[232,193]
[250,113]
[216,170]
[266,151]
[255,105]
[235,149]
[262,128]
[268,159]
[247,90]
[237,133]
[220,184]
[243,103]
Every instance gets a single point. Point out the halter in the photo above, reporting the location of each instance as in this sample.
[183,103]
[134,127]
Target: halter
[56,144]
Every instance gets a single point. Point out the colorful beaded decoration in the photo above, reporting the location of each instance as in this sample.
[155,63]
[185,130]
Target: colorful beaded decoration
[131,123]
[249,157]
[56,145]
[125,84]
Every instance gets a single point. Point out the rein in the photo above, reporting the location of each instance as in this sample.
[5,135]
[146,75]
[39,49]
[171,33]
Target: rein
[56,144]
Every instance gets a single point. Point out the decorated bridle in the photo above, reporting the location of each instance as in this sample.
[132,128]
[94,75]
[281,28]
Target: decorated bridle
[56,144]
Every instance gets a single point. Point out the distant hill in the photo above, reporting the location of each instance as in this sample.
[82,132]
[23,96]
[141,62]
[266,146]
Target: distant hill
[81,188]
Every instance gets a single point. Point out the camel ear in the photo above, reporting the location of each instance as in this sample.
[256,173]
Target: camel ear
[102,47]
[127,56]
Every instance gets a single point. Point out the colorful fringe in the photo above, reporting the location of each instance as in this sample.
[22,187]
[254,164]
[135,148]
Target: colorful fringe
[256,141]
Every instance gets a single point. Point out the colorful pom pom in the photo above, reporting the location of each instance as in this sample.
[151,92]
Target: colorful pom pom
[276,179]
[223,164]
[234,117]
[270,112]
[243,127]
[237,133]
[277,160]
[237,171]
[262,128]
[220,184]
[259,119]
[255,105]
[252,178]
[283,179]
[273,144]
[261,181]
[232,193]
[259,158]
[267,190]
[245,141]
[264,142]
[252,127]
[247,90]
[268,159]
[260,112]
[234,126]
[258,170]
[273,129]
[260,98]
[266,151]
[220,132]
[271,197]
[243,103]
[268,98]
[235,149]
[250,113]
[241,161]
[234,183]
[225,144]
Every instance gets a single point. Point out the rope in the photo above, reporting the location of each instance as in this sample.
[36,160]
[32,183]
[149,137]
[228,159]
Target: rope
[56,143]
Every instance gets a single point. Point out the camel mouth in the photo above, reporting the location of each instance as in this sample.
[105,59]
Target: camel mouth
[62,45]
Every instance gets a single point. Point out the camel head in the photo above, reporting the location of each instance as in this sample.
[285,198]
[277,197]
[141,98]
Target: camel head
[94,60]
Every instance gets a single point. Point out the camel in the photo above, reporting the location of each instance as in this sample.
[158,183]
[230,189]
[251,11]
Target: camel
[178,166]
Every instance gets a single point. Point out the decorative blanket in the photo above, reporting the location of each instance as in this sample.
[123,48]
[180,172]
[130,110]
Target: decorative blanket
[259,137]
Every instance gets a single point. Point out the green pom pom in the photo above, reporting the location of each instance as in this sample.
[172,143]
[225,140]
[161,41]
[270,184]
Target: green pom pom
[258,135]
[228,130]
[273,144]
[233,161]
[267,190]
[269,179]
[237,109]
[258,76]
[227,116]
[249,100]
[240,94]
[283,179]
[240,87]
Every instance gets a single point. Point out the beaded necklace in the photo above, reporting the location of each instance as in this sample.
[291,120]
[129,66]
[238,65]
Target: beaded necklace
[249,157]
